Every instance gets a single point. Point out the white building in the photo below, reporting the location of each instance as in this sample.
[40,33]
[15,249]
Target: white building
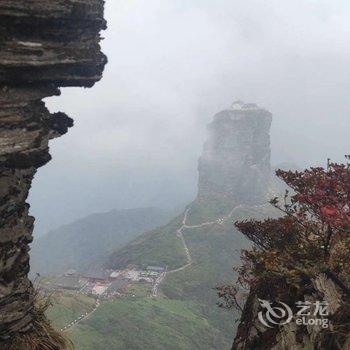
[99,289]
[133,275]
[237,105]
[114,274]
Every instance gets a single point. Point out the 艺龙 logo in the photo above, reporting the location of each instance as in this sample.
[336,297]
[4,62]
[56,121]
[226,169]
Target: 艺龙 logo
[309,314]
[274,315]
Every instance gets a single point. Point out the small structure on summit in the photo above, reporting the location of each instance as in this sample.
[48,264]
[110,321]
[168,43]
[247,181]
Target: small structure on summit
[241,106]
[251,107]
[237,105]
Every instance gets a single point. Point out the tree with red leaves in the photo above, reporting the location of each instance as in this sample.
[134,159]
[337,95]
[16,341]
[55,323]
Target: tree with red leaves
[310,238]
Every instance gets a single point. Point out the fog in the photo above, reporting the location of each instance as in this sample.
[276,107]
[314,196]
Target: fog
[172,65]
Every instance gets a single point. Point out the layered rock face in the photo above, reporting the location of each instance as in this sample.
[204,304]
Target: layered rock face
[44,45]
[235,164]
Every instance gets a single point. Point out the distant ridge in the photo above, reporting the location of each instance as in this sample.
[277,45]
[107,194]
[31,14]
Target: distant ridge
[88,242]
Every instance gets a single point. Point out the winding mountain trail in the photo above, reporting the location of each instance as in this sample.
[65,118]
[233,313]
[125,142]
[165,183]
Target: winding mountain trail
[81,318]
[179,233]
[155,289]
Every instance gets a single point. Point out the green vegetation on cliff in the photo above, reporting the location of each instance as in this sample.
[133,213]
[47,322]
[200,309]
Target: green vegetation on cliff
[214,249]
[158,247]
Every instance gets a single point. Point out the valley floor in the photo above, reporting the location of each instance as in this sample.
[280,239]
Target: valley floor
[179,311]
[138,323]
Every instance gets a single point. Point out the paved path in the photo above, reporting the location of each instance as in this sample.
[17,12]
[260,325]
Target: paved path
[179,233]
[155,289]
[81,318]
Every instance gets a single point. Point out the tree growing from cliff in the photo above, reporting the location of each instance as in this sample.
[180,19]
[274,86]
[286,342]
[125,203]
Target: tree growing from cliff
[311,237]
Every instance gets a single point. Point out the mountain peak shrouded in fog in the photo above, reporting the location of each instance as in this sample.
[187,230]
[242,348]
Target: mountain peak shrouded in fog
[196,246]
[235,163]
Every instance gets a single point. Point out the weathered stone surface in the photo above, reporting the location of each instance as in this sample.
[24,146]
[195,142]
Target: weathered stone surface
[252,335]
[44,44]
[235,164]
[55,41]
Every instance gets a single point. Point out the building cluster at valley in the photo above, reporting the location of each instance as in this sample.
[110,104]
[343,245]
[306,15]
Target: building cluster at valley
[104,283]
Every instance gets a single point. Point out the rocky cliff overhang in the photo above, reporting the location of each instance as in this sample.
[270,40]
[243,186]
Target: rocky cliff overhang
[54,42]
[44,45]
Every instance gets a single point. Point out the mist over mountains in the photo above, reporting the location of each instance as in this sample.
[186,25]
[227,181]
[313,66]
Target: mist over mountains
[197,247]
[86,244]
[130,251]
[174,64]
